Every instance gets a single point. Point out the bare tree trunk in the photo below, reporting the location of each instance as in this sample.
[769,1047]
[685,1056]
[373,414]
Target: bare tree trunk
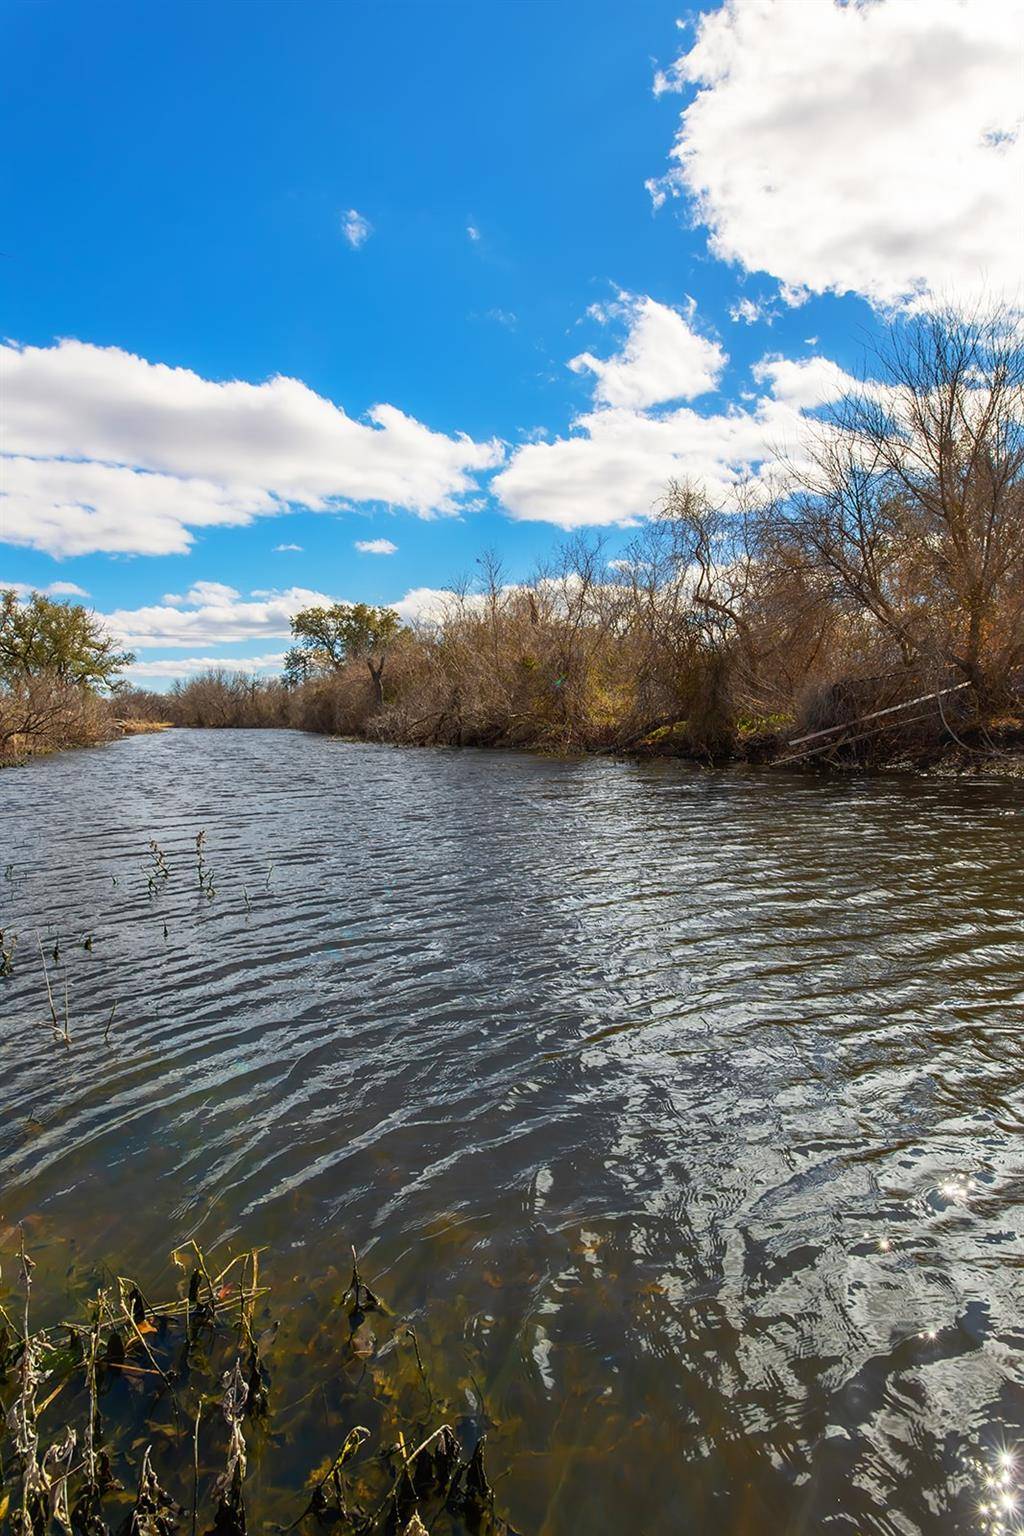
[377,673]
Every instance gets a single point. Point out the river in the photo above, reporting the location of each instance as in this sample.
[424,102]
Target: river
[681,1110]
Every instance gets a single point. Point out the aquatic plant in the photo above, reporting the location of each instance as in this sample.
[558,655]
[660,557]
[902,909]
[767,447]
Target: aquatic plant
[164,1399]
[159,871]
[203,873]
[63,1032]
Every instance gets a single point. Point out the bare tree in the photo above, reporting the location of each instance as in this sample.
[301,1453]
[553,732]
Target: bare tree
[913,505]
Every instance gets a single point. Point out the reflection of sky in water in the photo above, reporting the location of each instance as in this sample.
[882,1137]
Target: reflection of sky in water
[698,1096]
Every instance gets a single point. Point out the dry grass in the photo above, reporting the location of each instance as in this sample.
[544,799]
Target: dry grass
[142,727]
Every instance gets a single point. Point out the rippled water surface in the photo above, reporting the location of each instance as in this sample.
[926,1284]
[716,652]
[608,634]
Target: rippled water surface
[681,1110]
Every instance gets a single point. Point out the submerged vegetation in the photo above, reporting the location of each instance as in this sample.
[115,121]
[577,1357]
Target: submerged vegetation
[143,1417]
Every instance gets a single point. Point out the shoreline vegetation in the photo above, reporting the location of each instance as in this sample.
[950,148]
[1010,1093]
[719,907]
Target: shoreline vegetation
[865,610]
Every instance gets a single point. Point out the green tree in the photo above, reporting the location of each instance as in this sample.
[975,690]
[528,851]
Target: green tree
[59,640]
[329,638]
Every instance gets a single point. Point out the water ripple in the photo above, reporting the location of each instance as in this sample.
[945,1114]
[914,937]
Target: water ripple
[697,1097]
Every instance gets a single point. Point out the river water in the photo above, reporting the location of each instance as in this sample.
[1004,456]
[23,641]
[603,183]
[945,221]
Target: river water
[681,1111]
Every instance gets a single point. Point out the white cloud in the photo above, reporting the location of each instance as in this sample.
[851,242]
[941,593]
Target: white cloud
[867,148]
[107,452]
[804,383]
[287,549]
[752,312]
[663,357]
[376,547]
[794,295]
[168,667]
[211,613]
[423,605]
[356,229]
[430,605]
[472,232]
[615,469]
[201,592]
[53,589]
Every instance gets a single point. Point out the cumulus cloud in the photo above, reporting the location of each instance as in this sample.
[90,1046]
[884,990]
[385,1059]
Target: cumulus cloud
[211,613]
[107,452]
[472,232]
[287,549]
[423,605]
[234,619]
[356,229]
[804,383]
[874,148]
[615,467]
[201,592]
[376,547]
[430,605]
[663,357]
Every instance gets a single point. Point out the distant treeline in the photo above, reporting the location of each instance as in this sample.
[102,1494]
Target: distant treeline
[883,572]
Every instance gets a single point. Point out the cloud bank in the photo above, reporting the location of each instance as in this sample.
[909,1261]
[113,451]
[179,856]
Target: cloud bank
[615,466]
[165,667]
[106,452]
[212,613]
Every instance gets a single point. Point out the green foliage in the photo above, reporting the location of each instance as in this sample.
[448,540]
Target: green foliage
[57,640]
[764,725]
[328,638]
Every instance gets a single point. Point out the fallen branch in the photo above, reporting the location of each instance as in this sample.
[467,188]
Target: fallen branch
[876,714]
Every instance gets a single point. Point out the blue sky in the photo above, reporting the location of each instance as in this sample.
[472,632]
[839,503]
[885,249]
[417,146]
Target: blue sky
[438,207]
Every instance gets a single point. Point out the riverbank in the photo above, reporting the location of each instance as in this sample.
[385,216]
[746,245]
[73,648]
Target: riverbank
[995,749]
[142,727]
[92,730]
